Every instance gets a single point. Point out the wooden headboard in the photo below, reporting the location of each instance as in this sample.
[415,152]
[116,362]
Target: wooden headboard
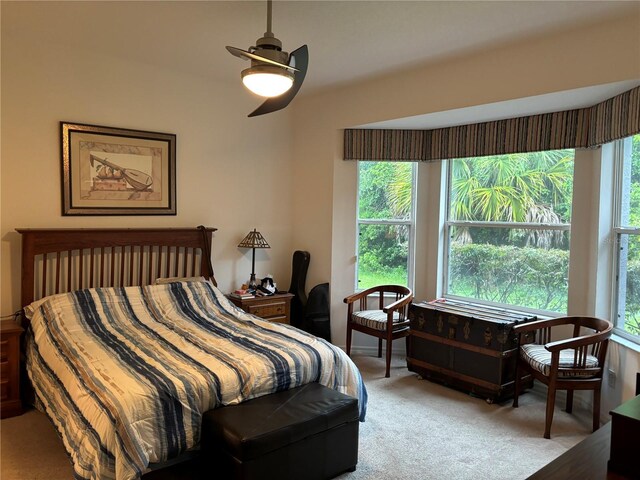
[63,260]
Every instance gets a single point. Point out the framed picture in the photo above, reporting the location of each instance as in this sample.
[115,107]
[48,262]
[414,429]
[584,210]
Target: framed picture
[117,171]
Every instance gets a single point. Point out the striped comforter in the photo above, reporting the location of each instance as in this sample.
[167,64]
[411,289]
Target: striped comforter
[126,373]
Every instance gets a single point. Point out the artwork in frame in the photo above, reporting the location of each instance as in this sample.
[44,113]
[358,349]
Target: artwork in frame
[117,171]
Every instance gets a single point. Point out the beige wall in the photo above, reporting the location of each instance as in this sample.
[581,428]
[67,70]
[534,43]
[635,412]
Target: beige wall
[324,223]
[233,173]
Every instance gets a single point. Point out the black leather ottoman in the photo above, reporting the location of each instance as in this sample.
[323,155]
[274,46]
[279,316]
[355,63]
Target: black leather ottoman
[310,432]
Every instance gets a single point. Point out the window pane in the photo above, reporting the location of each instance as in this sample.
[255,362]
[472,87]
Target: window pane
[521,187]
[527,268]
[630,195]
[383,251]
[629,245]
[629,294]
[384,190]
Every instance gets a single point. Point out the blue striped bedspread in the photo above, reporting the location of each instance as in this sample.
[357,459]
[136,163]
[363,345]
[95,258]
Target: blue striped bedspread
[125,374]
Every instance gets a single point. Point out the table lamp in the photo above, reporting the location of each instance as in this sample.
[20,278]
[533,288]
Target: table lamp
[253,240]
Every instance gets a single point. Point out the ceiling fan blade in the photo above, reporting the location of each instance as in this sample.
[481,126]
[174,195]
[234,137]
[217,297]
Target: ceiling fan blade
[238,52]
[301,59]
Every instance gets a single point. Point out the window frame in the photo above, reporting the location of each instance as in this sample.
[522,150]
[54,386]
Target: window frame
[410,223]
[622,178]
[448,224]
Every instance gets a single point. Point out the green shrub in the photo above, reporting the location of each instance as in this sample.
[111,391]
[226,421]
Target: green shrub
[524,276]
[632,304]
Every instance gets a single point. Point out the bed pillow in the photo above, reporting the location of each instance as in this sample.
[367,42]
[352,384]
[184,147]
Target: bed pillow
[31,309]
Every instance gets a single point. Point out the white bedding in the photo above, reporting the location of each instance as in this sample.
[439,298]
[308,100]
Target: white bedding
[125,374]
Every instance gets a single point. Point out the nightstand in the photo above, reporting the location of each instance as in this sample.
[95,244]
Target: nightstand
[10,369]
[275,308]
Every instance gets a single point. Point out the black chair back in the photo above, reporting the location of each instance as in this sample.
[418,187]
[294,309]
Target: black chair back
[317,320]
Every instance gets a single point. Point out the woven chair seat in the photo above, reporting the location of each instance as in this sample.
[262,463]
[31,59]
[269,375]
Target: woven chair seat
[375,319]
[540,359]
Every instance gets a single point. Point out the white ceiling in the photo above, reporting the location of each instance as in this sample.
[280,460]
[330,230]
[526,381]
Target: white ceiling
[348,40]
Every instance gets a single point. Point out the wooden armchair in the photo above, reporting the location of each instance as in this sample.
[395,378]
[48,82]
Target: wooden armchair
[386,322]
[576,363]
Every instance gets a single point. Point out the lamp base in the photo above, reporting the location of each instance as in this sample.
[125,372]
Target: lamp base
[252,282]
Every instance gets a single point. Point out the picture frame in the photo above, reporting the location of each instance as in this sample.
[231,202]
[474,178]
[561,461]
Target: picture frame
[117,171]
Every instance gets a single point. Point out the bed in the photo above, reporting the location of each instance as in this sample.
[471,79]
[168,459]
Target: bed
[130,341]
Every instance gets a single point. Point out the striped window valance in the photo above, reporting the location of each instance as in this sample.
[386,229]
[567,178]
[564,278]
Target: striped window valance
[615,118]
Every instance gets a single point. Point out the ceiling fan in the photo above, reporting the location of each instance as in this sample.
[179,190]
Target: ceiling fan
[274,74]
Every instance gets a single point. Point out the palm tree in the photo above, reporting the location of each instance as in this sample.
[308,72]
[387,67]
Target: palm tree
[519,187]
[399,191]
[510,188]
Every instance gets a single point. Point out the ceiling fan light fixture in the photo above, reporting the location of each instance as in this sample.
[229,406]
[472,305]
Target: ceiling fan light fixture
[267,80]
[273,74]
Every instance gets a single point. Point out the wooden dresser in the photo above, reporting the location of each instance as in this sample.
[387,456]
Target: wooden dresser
[275,308]
[10,369]
[625,431]
[585,460]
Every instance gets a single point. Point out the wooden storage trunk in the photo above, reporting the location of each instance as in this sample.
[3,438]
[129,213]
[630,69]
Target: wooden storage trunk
[466,346]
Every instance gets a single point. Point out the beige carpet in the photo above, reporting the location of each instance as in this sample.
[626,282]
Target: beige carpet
[414,429]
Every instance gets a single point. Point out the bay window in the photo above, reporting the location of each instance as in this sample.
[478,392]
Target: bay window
[386,212]
[627,235]
[507,229]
